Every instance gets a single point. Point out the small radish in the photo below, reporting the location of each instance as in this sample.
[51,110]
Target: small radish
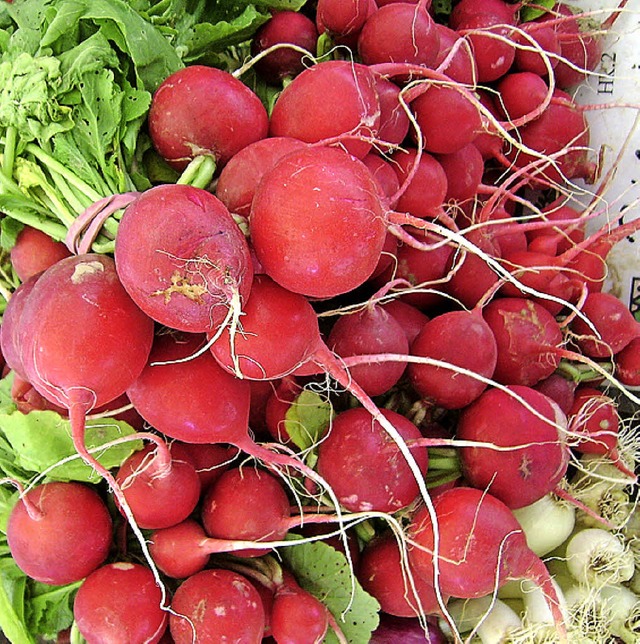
[34,251]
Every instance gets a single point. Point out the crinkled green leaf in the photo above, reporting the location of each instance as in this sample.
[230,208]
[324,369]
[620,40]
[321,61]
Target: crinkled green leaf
[308,418]
[49,608]
[40,439]
[9,231]
[12,601]
[324,572]
[531,11]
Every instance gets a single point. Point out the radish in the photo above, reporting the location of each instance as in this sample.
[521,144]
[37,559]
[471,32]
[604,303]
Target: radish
[283,27]
[182,124]
[191,268]
[394,121]
[411,319]
[306,109]
[317,224]
[454,341]
[342,20]
[538,48]
[464,169]
[34,251]
[476,547]
[120,602]
[627,364]
[237,612]
[59,532]
[517,467]
[364,466]
[455,58]
[385,175]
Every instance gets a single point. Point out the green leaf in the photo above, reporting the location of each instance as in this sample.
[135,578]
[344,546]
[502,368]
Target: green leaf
[531,11]
[12,596]
[41,439]
[9,231]
[308,418]
[324,572]
[50,608]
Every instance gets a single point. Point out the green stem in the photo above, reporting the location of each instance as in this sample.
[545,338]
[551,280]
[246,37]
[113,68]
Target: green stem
[581,372]
[199,173]
[9,154]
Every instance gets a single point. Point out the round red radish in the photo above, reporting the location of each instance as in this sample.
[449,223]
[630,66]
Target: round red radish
[461,67]
[464,169]
[182,257]
[411,319]
[59,532]
[236,611]
[394,121]
[307,107]
[364,466]
[594,421]
[34,251]
[460,339]
[627,364]
[179,551]
[317,223]
[183,125]
[531,427]
[120,602]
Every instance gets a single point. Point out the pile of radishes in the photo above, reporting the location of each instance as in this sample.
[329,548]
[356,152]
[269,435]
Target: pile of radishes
[380,323]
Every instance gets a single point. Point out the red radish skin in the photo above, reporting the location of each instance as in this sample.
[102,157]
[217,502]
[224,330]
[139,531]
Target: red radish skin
[317,223]
[394,121]
[284,27]
[384,174]
[480,545]
[246,505]
[182,258]
[343,19]
[363,464]
[529,462]
[464,169]
[120,602]
[460,65]
[411,319]
[238,614]
[541,54]
[560,389]
[460,339]
[182,124]
[306,108]
[520,93]
[34,251]
[627,364]
[59,532]
[178,551]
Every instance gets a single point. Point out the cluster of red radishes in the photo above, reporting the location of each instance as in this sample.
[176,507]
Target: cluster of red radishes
[375,226]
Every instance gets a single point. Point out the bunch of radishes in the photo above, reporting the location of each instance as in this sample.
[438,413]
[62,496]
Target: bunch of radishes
[393,247]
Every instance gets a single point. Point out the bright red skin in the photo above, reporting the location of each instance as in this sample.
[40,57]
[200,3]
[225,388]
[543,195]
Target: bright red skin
[433,110]
[522,475]
[181,256]
[380,574]
[411,319]
[297,616]
[82,338]
[195,401]
[532,61]
[462,67]
[248,505]
[158,499]
[463,339]
[283,27]
[594,416]
[34,251]
[466,9]
[182,124]
[464,169]
[342,17]
[520,93]
[238,180]
[399,33]
[317,223]
[270,314]
[371,331]
[72,538]
[307,107]
[180,550]
[614,323]
[120,602]
[426,192]
[479,540]
[363,464]
[394,122]
[627,363]
[209,459]
[384,174]
[559,389]
[527,337]
[557,238]
[235,609]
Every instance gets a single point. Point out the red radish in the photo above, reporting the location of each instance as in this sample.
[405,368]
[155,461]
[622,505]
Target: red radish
[411,319]
[306,108]
[615,327]
[59,532]
[382,575]
[527,337]
[541,54]
[238,614]
[560,389]
[342,20]
[464,169]
[363,464]
[246,504]
[237,182]
[159,494]
[317,224]
[627,364]
[423,183]
[297,616]
[399,33]
[182,258]
[178,551]
[120,602]
[34,251]
[394,121]
[182,124]
[479,546]
[284,27]
[279,403]
[466,9]
[209,459]
[433,110]
[370,331]
[453,341]
[458,65]
[527,464]
[520,93]
[385,175]
[556,238]
[255,350]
